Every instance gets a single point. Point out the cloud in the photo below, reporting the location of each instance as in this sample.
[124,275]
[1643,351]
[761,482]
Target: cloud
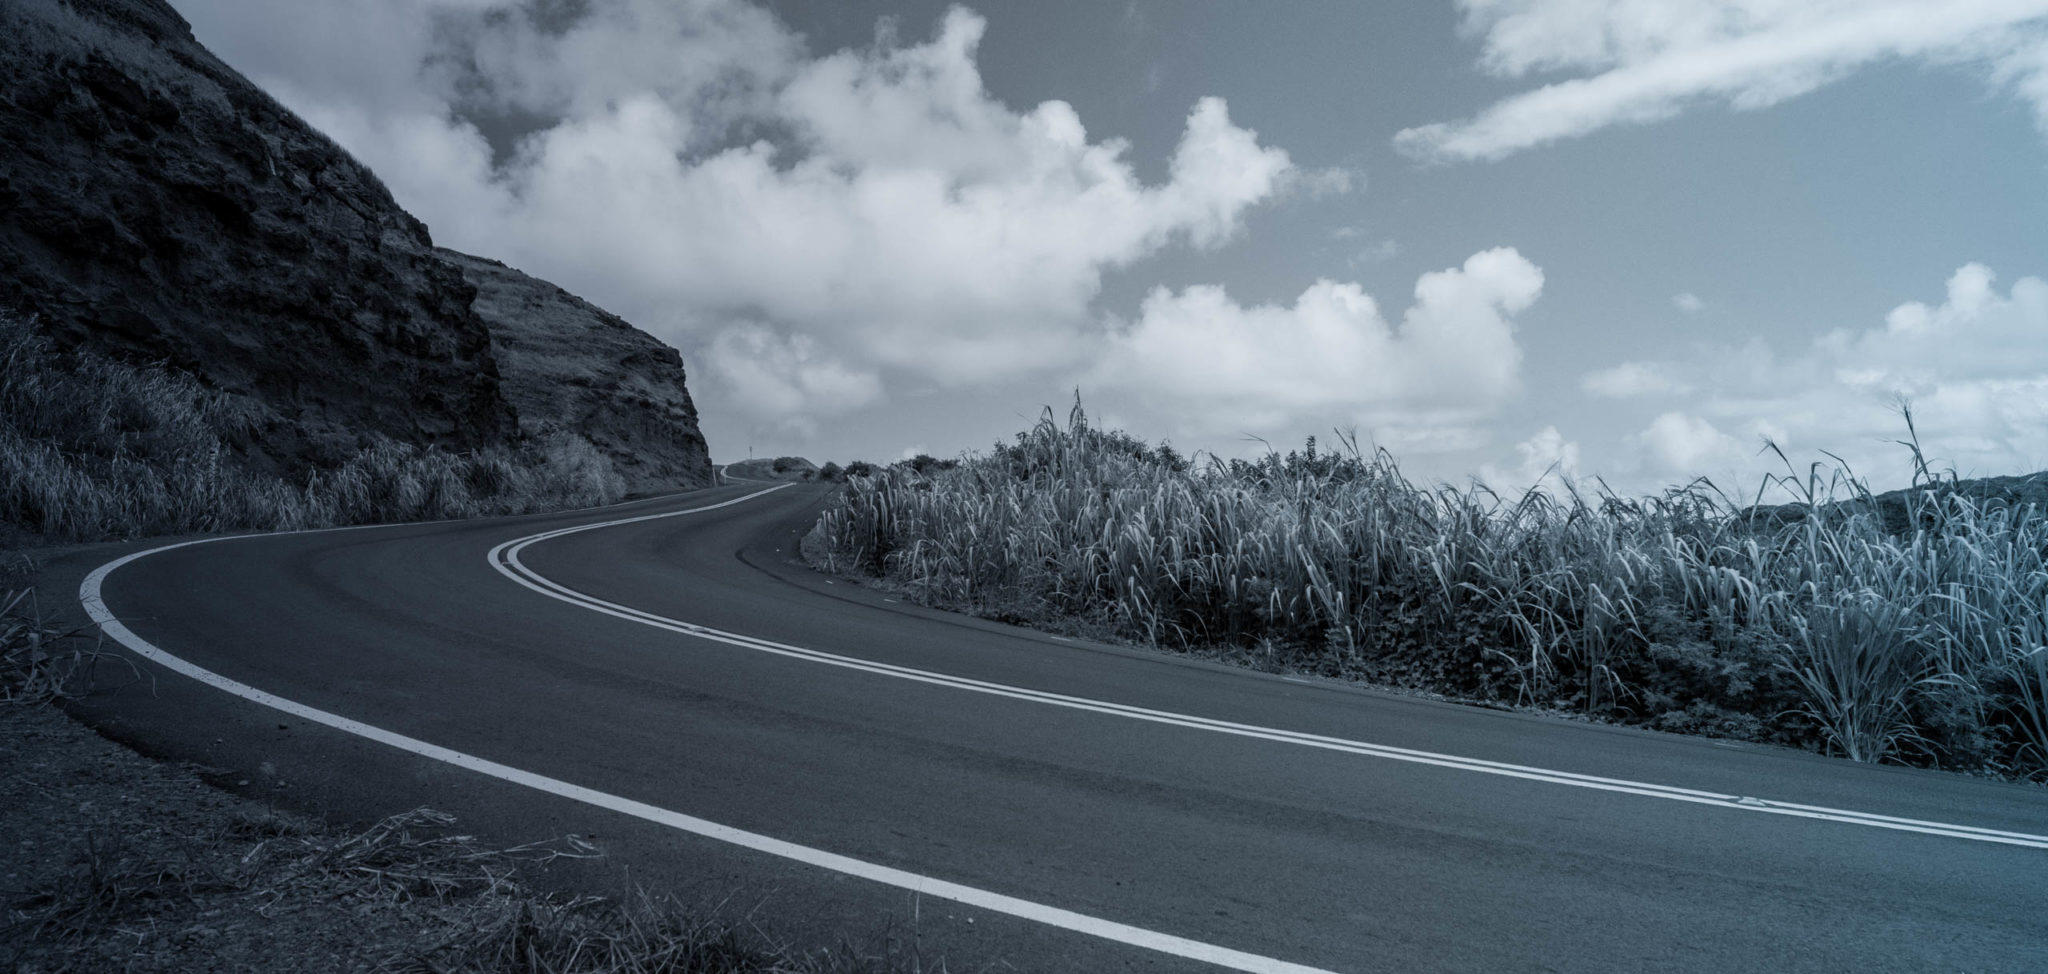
[1546,460]
[1630,380]
[1329,181]
[1688,302]
[1646,60]
[785,379]
[1687,445]
[1217,366]
[1975,333]
[1974,368]
[1379,252]
[857,216]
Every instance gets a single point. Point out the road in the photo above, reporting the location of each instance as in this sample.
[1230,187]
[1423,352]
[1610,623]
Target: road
[730,724]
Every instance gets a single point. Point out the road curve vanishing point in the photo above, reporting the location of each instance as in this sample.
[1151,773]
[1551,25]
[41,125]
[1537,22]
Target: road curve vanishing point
[1028,685]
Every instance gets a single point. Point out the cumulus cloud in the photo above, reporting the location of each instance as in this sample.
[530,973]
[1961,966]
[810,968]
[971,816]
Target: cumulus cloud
[1684,444]
[1688,302]
[786,379]
[1974,369]
[1331,357]
[1642,61]
[1546,460]
[1975,333]
[851,216]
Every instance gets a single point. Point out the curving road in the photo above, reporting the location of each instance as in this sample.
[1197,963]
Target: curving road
[721,719]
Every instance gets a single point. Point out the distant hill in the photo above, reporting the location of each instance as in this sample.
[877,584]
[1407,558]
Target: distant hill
[1895,506]
[160,208]
[777,468]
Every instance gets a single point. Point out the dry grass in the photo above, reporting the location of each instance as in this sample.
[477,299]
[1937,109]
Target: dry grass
[122,864]
[1922,641]
[436,902]
[40,662]
[92,449]
[118,863]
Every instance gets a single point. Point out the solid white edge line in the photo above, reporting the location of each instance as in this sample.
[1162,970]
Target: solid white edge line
[89,595]
[505,558]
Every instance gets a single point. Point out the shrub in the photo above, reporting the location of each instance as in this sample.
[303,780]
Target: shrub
[1830,629]
[91,449]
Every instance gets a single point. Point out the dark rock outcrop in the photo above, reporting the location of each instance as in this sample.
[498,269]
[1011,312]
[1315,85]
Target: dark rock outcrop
[568,364]
[156,206]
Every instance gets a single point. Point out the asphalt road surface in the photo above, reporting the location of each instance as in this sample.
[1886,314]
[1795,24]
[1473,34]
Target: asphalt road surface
[730,724]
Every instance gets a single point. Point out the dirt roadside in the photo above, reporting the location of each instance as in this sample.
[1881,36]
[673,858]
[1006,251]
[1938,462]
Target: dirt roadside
[114,861]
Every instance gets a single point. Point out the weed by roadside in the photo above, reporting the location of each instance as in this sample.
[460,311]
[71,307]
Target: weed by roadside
[38,660]
[1913,630]
[93,449]
[110,861]
[114,862]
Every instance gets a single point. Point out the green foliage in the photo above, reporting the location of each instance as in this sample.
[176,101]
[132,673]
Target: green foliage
[925,463]
[93,449]
[1829,629]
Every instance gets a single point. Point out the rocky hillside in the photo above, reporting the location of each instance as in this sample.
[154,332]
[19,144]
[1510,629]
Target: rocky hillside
[565,363]
[155,206]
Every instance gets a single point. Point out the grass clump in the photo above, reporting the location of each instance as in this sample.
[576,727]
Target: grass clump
[40,662]
[1839,626]
[94,449]
[406,894]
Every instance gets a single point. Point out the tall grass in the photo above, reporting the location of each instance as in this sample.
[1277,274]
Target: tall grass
[1815,625]
[92,449]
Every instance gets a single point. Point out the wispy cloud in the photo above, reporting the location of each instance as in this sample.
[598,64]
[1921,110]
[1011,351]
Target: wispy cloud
[1646,60]
[1631,380]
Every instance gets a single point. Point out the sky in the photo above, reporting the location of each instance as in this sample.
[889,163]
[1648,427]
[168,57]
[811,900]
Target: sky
[1636,240]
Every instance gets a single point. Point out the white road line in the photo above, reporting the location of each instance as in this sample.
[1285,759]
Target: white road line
[89,594]
[505,558]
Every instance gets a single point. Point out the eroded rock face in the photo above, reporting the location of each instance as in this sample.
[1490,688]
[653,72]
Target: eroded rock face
[155,205]
[568,364]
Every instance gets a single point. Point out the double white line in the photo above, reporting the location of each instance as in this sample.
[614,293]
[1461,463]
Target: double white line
[505,558]
[89,594]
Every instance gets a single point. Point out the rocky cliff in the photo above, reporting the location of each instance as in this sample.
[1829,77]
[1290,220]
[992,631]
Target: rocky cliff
[568,364]
[155,206]
[160,207]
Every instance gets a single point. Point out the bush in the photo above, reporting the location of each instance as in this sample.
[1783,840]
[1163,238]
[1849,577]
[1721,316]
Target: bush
[92,449]
[1829,630]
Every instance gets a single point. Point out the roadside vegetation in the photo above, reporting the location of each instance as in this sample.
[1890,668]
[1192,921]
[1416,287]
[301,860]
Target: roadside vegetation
[94,449]
[1907,628]
[116,862]
[776,468]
